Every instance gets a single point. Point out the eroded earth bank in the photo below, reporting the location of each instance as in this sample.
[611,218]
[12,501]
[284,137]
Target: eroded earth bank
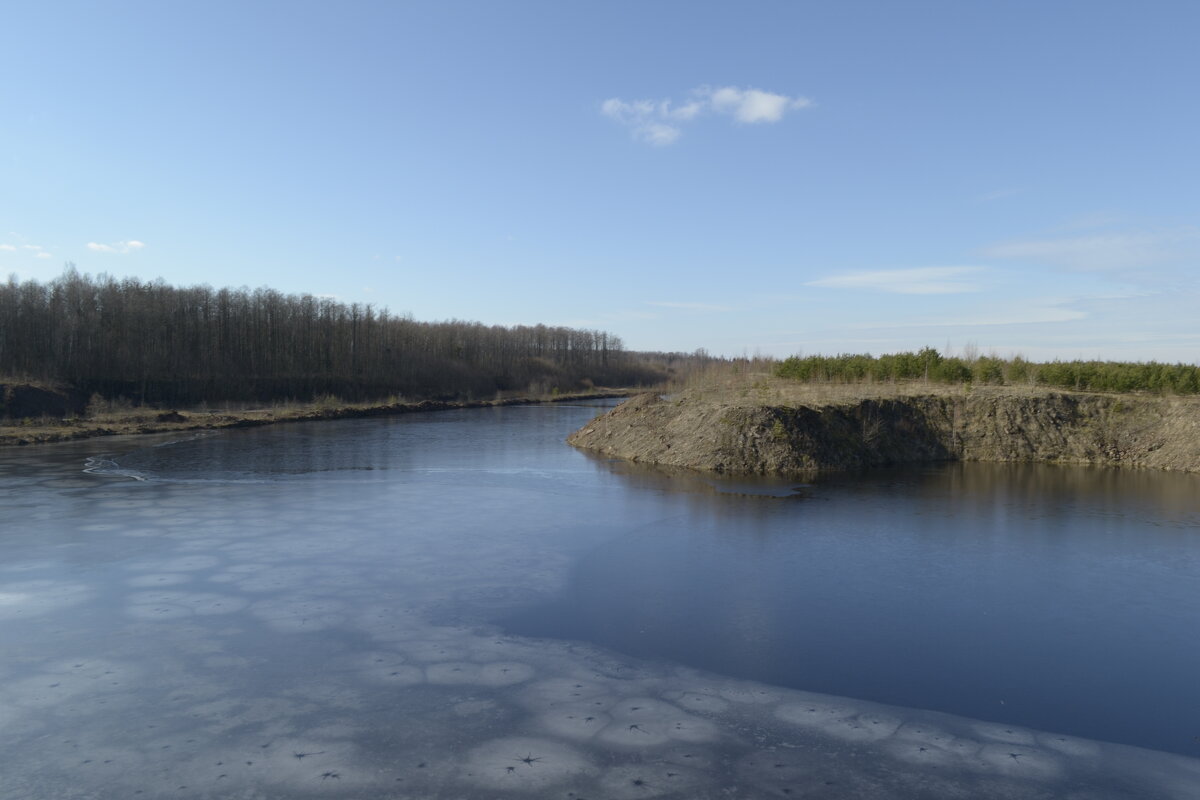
[771,426]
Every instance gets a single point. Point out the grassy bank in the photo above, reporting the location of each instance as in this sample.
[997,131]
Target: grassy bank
[116,421]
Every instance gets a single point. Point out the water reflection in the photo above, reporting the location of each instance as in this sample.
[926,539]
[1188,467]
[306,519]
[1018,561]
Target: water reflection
[1053,597]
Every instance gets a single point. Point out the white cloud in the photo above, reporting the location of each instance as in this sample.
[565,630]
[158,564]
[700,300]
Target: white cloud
[43,255]
[621,111]
[121,248]
[656,133]
[34,247]
[644,119]
[921,280]
[687,111]
[8,247]
[1102,252]
[752,105]
[658,122]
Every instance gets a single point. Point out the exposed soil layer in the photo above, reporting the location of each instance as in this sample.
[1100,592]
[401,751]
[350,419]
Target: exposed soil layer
[771,428]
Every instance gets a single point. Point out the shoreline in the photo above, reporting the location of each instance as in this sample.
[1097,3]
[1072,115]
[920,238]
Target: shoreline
[147,421]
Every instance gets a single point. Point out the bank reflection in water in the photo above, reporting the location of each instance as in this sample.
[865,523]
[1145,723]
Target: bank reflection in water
[1050,596]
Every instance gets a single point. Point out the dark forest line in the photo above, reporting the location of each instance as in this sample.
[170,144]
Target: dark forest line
[158,344]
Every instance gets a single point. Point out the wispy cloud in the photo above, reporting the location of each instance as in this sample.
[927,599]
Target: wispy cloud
[1124,294]
[921,280]
[35,250]
[659,122]
[1103,252]
[120,248]
[1032,315]
[689,306]
[609,318]
[1093,220]
[1027,311]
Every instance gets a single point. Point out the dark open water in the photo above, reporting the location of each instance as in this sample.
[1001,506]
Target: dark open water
[1061,598]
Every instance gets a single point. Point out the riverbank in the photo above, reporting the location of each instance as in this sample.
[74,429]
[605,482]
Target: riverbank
[145,420]
[763,425]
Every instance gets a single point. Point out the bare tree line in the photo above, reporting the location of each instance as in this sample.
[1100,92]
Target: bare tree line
[156,343]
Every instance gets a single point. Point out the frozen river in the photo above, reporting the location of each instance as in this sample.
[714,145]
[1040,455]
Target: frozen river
[459,605]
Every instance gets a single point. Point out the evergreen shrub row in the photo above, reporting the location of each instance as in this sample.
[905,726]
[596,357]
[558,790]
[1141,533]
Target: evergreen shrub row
[930,365]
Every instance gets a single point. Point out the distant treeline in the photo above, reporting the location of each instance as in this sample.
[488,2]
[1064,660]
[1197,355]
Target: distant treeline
[929,364]
[154,343]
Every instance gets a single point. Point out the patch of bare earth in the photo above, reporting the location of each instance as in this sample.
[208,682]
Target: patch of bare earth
[757,424]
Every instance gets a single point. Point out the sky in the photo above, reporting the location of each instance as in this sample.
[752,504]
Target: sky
[765,178]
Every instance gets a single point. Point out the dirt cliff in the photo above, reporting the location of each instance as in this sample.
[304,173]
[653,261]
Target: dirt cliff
[775,429]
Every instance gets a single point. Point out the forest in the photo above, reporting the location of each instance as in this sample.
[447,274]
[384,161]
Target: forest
[157,344]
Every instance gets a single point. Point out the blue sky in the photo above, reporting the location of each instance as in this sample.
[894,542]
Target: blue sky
[750,177]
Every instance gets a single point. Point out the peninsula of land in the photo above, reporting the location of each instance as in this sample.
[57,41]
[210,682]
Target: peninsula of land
[767,425]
